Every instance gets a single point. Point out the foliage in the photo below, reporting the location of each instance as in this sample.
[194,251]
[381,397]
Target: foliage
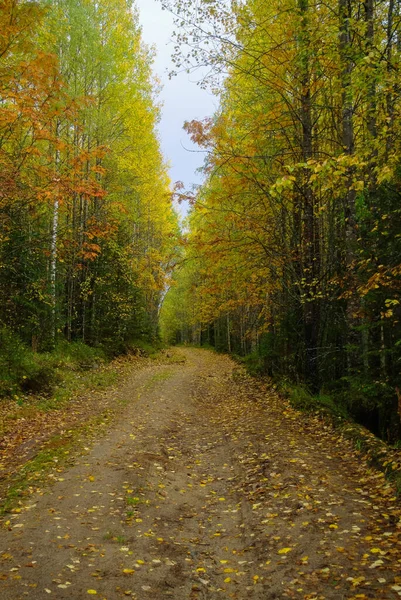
[293,250]
[23,371]
[88,233]
[20,368]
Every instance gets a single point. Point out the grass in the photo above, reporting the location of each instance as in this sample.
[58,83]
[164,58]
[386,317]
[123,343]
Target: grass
[112,537]
[132,501]
[301,399]
[34,472]
[58,452]
[78,369]
[145,348]
[73,383]
[156,379]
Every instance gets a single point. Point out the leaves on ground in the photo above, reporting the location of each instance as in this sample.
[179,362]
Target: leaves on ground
[257,499]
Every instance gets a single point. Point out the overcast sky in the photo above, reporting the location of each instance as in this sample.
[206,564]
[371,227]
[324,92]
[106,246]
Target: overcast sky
[182,99]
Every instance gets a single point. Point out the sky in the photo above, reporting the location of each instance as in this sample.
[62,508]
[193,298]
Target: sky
[182,99]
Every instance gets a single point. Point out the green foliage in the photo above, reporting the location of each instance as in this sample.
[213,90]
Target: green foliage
[294,242]
[51,374]
[301,399]
[254,363]
[88,231]
[21,369]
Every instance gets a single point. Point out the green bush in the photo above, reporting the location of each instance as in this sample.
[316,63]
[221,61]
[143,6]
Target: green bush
[301,399]
[253,363]
[77,355]
[20,368]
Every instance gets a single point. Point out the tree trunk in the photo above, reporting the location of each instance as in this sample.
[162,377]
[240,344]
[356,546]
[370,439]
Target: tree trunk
[310,250]
[53,250]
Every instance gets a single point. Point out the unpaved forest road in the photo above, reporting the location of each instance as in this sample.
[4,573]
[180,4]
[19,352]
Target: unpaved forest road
[207,488]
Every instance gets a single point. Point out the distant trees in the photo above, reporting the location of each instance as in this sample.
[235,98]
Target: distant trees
[294,248]
[88,232]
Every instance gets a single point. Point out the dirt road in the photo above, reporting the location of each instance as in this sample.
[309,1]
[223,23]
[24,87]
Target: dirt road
[207,487]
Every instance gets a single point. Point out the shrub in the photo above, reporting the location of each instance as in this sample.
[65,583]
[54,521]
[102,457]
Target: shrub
[20,368]
[77,355]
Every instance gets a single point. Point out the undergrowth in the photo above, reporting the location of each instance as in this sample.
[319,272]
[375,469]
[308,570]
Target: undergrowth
[53,376]
[301,399]
[23,371]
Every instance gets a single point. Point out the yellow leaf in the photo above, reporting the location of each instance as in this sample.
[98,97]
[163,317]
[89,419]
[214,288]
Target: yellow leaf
[128,571]
[93,592]
[284,550]
[375,550]
[140,562]
[227,580]
[228,570]
[91,478]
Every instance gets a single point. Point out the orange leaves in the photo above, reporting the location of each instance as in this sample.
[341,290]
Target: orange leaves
[90,251]
[199,131]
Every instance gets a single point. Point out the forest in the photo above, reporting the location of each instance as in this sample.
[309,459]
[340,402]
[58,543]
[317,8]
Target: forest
[290,258]
[87,228]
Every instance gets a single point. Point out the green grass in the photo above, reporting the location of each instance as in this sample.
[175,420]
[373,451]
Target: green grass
[45,374]
[132,501]
[145,348]
[59,451]
[73,383]
[301,399]
[35,472]
[112,537]
[156,379]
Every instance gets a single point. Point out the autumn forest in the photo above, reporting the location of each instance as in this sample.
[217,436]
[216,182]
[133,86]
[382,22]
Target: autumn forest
[200,384]
[290,257]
